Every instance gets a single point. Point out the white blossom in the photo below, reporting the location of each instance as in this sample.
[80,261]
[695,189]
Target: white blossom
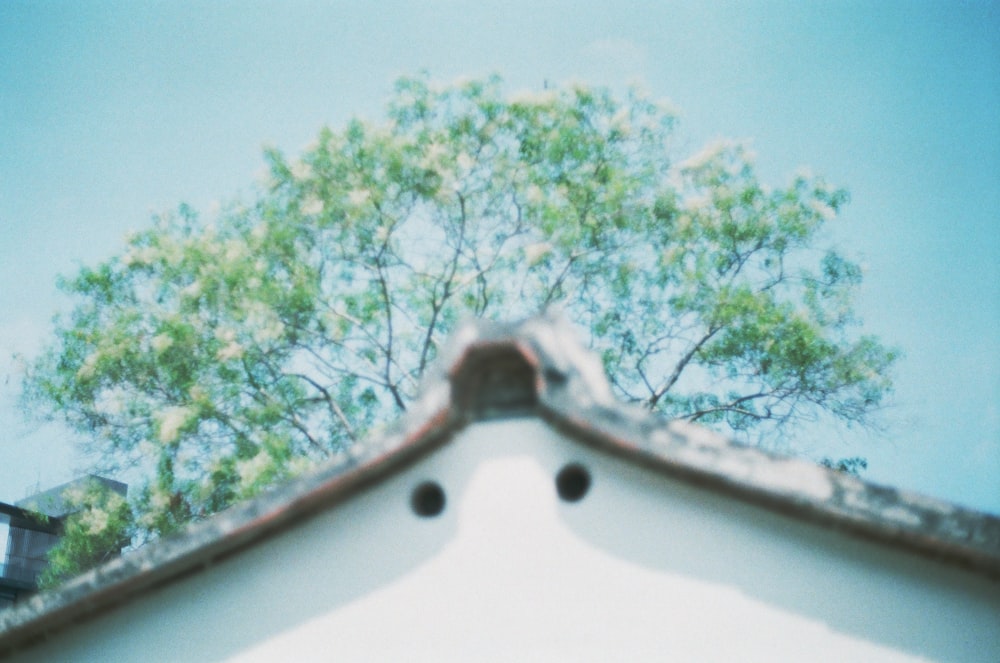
[89,366]
[533,97]
[534,194]
[235,250]
[699,202]
[147,449]
[111,402]
[433,154]
[225,334]
[251,470]
[465,162]
[171,251]
[159,500]
[534,253]
[620,121]
[172,420]
[75,495]
[147,519]
[231,351]
[706,155]
[265,178]
[140,255]
[299,464]
[312,206]
[264,323]
[301,170]
[161,342]
[450,183]
[671,254]
[826,212]
[650,123]
[95,520]
[359,197]
[192,290]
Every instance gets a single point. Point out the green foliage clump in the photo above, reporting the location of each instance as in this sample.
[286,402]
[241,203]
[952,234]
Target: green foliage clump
[99,526]
[854,465]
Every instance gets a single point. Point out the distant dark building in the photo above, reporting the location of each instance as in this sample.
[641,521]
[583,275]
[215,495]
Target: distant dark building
[29,537]
[33,526]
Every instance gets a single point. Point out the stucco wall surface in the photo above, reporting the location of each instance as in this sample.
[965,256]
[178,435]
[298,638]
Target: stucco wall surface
[642,568]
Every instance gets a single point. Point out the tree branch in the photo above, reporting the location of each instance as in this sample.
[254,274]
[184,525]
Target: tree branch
[331,404]
[679,368]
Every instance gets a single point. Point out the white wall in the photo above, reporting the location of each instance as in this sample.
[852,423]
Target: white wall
[641,569]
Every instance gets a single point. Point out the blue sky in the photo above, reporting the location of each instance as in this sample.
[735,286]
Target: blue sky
[110,111]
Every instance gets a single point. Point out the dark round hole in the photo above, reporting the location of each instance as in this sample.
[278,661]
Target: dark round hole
[428,499]
[572,482]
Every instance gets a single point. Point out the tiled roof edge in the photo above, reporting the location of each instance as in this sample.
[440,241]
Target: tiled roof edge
[574,395]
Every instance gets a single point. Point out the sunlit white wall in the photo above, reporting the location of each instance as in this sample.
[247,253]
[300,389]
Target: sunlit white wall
[642,568]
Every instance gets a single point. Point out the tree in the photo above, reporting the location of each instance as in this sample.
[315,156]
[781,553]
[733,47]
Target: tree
[100,528]
[220,356]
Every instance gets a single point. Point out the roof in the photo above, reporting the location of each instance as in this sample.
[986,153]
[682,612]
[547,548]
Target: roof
[531,368]
[53,502]
[16,516]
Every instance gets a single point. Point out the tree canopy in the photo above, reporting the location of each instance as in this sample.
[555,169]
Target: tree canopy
[218,355]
